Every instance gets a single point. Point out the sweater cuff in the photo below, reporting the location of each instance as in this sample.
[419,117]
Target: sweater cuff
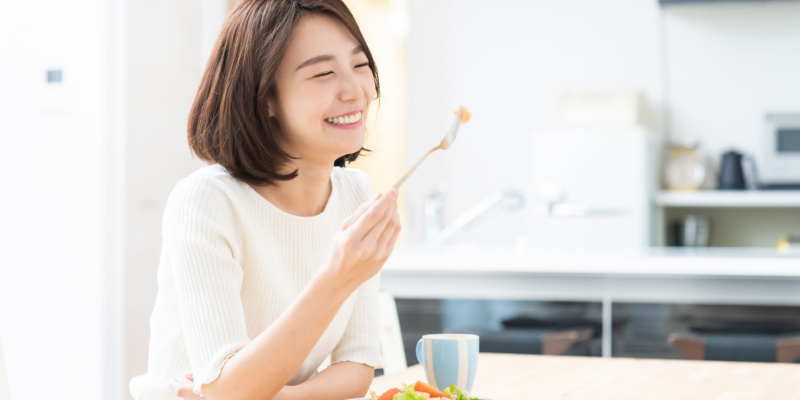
[367,358]
[212,372]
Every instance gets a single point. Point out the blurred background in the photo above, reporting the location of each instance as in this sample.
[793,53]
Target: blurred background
[656,132]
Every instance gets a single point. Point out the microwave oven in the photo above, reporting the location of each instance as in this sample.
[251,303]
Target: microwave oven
[780,157]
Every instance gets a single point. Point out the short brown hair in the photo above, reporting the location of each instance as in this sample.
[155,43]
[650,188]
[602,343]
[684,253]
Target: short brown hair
[229,122]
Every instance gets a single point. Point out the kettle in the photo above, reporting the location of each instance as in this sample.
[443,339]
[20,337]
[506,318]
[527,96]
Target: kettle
[732,175]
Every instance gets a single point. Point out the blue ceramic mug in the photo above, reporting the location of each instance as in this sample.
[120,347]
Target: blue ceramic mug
[449,359]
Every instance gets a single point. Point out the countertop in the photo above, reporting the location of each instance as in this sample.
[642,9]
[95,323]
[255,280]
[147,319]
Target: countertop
[672,261]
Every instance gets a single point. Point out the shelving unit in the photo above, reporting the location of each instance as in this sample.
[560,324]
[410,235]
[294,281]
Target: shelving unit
[748,218]
[730,198]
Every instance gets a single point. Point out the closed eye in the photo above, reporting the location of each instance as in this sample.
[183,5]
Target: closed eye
[322,74]
[366,64]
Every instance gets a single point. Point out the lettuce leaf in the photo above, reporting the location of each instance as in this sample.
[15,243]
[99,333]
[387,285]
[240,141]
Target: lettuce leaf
[458,395]
[408,394]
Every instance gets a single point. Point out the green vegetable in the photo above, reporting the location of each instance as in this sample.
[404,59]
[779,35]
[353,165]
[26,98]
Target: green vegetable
[408,394]
[457,394]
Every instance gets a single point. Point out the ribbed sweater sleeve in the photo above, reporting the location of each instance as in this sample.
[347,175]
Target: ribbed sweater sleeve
[361,340]
[200,240]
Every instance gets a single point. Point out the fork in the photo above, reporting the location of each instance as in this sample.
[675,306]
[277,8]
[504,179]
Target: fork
[447,141]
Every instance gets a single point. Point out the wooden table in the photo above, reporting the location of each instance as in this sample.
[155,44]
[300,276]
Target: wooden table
[528,377]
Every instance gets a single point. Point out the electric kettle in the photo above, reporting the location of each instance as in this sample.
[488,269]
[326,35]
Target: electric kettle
[731,173]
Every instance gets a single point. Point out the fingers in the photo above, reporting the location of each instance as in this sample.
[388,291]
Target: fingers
[183,390]
[372,237]
[374,214]
[389,235]
[392,241]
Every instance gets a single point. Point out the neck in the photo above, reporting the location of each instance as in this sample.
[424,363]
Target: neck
[304,196]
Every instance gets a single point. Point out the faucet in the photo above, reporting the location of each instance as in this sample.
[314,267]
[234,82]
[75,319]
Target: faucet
[436,234]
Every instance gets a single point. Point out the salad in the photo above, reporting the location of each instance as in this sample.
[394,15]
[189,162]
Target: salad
[422,391]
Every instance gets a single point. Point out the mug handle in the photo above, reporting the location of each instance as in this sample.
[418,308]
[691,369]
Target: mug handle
[421,354]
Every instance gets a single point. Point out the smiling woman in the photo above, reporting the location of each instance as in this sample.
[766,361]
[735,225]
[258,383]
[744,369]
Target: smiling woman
[271,254]
[240,94]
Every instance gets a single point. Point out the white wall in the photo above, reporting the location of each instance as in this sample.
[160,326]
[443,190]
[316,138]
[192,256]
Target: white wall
[510,62]
[727,65]
[53,198]
[166,51]
[88,169]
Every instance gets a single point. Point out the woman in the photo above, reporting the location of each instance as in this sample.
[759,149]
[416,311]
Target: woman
[271,253]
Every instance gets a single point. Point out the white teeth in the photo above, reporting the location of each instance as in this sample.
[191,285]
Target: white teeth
[350,119]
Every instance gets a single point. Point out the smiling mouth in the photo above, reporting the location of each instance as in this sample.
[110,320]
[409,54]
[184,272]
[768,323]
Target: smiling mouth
[345,120]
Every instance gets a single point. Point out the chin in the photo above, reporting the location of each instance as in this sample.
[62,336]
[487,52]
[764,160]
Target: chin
[354,145]
[347,143]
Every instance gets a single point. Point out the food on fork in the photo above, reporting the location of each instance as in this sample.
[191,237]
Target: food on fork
[465,114]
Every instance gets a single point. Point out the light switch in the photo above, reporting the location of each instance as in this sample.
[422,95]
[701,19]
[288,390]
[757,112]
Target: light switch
[53,76]
[54,91]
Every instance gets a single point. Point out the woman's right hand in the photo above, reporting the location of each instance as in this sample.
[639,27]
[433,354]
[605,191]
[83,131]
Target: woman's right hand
[365,241]
[182,389]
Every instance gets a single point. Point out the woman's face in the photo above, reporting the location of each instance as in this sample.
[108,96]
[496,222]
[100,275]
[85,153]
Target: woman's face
[325,87]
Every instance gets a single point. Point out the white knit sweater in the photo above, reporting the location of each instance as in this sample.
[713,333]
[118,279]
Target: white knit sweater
[231,264]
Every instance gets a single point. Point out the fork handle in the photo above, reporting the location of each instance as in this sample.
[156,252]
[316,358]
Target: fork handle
[407,174]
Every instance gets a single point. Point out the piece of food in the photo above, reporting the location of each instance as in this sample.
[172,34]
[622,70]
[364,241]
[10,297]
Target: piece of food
[421,386]
[456,394]
[423,391]
[465,114]
[409,394]
[389,394]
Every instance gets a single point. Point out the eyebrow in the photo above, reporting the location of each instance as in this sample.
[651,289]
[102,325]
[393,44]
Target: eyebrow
[325,57]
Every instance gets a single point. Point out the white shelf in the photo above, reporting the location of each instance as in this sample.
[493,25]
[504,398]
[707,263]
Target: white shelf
[733,198]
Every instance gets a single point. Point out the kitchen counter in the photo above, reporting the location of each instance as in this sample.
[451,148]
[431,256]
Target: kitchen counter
[670,261]
[746,276]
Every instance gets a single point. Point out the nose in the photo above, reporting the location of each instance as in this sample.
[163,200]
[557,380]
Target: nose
[350,88]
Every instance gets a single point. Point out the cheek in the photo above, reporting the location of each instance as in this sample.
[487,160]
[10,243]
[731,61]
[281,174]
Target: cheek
[369,88]
[306,105]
